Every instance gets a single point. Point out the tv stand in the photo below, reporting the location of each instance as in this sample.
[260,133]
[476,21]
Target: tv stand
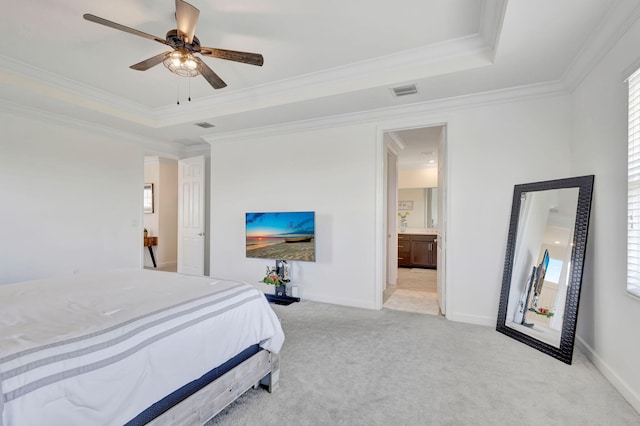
[281,300]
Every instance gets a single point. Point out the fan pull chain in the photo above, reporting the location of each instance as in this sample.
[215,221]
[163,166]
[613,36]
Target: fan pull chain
[178,92]
[189,89]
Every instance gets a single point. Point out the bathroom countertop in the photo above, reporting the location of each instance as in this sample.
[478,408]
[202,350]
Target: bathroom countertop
[420,231]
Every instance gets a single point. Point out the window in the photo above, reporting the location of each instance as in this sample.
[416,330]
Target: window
[633,188]
[553,271]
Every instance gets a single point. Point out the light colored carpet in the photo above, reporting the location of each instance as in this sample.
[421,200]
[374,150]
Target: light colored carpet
[349,366]
[419,302]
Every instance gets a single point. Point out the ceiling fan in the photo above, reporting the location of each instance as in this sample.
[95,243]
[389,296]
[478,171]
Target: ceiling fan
[185,44]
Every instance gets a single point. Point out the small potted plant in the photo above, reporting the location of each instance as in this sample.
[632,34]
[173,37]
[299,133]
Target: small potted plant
[403,221]
[544,311]
[273,278]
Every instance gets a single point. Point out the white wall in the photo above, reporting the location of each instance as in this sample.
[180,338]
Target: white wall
[71,200]
[329,171]
[333,171]
[608,316]
[418,178]
[491,149]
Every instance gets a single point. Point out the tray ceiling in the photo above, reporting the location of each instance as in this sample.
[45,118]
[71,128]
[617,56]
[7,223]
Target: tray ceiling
[321,58]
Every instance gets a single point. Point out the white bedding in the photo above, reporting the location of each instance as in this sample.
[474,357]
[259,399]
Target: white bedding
[97,349]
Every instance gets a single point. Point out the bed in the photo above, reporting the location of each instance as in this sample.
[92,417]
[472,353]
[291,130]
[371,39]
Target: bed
[131,347]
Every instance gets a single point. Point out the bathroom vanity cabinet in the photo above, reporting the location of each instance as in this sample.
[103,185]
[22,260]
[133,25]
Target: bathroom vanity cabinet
[417,251]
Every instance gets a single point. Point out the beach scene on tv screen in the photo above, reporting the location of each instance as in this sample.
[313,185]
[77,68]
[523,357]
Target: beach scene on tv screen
[282,235]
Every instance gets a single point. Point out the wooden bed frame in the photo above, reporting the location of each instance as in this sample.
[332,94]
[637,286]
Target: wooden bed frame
[262,368]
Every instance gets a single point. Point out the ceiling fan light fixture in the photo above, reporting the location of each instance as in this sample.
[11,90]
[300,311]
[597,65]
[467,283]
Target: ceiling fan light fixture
[183,41]
[182,63]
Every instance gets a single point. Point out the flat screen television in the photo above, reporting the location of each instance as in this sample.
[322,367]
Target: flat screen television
[542,271]
[281,235]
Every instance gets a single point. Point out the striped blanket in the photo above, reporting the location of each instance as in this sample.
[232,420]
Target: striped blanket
[98,349]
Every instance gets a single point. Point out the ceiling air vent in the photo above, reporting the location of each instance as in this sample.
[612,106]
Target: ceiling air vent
[205,125]
[405,90]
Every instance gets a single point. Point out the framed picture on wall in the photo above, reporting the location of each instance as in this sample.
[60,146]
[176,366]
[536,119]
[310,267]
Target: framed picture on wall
[148,198]
[405,205]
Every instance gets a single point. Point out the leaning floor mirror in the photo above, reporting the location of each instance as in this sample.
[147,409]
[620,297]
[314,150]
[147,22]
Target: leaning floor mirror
[544,263]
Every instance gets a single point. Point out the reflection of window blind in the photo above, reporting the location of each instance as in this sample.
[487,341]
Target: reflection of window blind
[633,194]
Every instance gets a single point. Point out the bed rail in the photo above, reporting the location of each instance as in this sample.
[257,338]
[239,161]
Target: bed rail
[262,368]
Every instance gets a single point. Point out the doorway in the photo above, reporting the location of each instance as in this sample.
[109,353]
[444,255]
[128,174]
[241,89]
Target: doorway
[415,182]
[163,222]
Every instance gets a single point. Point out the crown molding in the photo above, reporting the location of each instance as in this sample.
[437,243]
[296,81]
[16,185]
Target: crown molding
[441,106]
[395,143]
[176,151]
[192,151]
[451,56]
[150,145]
[55,86]
[491,20]
[612,28]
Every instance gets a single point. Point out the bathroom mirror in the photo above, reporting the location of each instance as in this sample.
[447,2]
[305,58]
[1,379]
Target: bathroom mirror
[544,263]
[423,202]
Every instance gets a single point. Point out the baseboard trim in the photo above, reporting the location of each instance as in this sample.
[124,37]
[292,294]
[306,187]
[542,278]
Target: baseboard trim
[472,319]
[355,303]
[618,383]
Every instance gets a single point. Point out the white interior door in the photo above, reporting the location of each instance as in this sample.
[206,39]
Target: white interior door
[191,223]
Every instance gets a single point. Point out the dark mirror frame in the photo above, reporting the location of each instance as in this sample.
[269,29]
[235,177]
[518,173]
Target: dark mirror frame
[585,186]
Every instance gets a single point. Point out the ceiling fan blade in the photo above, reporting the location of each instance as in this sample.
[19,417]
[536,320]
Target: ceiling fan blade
[149,63]
[107,23]
[211,76]
[187,19]
[233,55]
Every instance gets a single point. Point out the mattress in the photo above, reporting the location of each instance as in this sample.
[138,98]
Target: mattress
[101,348]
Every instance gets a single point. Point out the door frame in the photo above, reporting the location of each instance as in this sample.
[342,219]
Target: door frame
[392,148]
[381,231]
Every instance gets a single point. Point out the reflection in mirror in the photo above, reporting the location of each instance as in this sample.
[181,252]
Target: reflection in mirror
[424,213]
[542,258]
[543,267]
